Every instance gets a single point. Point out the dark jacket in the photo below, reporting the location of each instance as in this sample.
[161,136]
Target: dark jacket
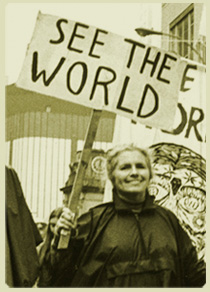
[22,236]
[116,247]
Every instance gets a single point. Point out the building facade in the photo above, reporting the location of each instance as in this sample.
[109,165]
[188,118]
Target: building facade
[184,22]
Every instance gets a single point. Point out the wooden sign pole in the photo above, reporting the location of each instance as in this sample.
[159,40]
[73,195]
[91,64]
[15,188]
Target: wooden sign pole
[78,181]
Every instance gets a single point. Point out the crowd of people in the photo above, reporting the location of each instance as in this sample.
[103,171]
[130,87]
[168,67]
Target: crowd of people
[128,242]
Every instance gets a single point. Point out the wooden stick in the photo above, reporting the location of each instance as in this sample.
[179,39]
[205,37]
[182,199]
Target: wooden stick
[78,181]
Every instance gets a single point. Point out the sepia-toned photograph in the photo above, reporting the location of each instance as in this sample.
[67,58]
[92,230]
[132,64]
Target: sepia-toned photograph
[105,138]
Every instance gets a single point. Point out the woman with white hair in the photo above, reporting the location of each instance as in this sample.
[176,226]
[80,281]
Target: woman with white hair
[129,242]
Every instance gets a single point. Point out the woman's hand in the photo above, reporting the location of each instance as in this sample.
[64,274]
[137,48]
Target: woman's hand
[66,221]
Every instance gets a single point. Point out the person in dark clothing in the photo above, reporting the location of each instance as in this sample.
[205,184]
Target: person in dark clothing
[129,242]
[44,247]
[42,226]
[22,236]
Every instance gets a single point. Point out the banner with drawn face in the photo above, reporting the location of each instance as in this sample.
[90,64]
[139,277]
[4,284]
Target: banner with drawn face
[179,184]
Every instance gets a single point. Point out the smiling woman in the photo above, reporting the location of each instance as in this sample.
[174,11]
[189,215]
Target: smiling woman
[130,173]
[129,242]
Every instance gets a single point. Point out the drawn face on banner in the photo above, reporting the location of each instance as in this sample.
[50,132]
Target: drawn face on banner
[179,184]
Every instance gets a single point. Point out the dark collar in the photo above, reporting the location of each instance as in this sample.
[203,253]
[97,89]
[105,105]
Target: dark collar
[120,205]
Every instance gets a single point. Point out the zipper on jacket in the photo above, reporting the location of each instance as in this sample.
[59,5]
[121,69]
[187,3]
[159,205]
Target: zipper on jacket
[145,254]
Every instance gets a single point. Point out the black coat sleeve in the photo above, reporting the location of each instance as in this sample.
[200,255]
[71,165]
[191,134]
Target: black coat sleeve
[60,265]
[22,236]
[194,269]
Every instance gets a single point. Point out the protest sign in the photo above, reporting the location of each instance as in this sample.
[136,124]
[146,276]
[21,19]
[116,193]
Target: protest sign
[101,70]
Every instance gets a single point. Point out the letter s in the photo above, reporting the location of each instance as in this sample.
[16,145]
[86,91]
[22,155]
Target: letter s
[58,24]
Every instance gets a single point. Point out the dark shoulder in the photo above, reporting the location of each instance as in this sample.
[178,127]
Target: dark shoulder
[95,211]
[102,206]
[163,209]
[168,215]
[88,221]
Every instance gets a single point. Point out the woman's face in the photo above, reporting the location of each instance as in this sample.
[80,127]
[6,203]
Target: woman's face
[52,223]
[131,175]
[42,227]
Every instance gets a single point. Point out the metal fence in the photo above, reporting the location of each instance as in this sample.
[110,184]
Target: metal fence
[42,138]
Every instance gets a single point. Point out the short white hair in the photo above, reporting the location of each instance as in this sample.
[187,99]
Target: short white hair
[114,152]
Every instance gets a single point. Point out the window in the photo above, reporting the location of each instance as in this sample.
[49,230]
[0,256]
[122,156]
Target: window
[183,30]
